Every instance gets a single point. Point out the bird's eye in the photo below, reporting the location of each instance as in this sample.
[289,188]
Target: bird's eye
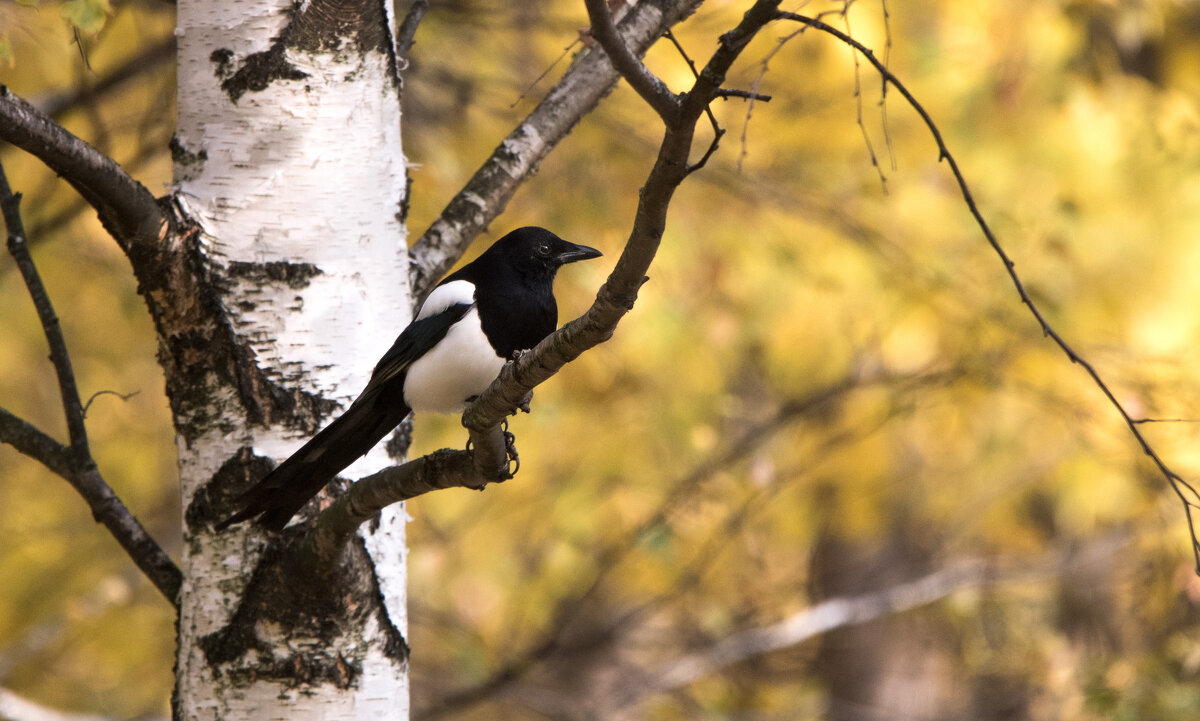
[543,248]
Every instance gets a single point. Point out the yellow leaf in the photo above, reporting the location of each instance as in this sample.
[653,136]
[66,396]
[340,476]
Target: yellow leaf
[87,15]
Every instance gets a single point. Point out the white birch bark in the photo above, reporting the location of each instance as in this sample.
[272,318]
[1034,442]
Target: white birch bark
[305,170]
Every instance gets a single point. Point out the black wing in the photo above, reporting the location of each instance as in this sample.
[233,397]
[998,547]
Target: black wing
[376,411]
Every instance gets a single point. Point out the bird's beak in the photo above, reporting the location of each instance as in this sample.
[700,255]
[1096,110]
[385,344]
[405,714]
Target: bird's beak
[573,252]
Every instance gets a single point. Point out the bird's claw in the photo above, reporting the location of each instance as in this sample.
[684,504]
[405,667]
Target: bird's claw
[510,447]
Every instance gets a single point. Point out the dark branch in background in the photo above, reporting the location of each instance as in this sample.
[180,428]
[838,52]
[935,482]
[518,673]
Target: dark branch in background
[834,613]
[128,210]
[74,462]
[144,62]
[1185,491]
[486,194]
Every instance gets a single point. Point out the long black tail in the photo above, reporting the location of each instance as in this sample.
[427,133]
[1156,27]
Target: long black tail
[285,490]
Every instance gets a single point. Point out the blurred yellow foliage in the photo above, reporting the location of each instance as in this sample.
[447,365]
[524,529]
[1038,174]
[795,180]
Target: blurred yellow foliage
[825,371]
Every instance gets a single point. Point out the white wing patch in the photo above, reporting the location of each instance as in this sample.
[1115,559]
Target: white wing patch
[444,296]
[462,365]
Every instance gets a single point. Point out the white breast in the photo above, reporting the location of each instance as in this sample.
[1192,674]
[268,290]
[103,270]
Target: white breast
[461,366]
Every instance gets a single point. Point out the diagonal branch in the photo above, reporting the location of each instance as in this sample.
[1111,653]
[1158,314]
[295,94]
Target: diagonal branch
[653,90]
[618,294]
[1186,492]
[843,611]
[128,211]
[590,77]
[18,247]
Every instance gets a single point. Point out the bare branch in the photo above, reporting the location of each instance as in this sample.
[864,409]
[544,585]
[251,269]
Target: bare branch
[1186,492]
[487,462]
[74,462]
[18,247]
[486,194]
[616,297]
[148,60]
[32,442]
[653,90]
[129,211]
[834,613]
[823,617]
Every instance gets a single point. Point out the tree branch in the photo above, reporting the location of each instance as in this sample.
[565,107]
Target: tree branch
[1186,492]
[653,90]
[18,247]
[128,211]
[407,32]
[618,294]
[488,462]
[486,194]
[74,462]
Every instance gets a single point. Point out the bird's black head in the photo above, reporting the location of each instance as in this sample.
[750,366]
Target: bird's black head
[537,251]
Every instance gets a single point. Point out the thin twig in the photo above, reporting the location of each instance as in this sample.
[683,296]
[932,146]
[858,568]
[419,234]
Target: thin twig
[858,107]
[529,88]
[122,396]
[718,131]
[1185,491]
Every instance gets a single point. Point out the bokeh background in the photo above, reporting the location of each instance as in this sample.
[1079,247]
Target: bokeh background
[828,387]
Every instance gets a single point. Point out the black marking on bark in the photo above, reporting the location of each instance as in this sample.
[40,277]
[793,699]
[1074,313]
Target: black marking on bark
[200,350]
[320,621]
[258,71]
[223,59]
[218,498]
[319,26]
[180,155]
[295,275]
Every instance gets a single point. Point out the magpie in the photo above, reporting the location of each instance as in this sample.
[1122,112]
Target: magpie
[474,321]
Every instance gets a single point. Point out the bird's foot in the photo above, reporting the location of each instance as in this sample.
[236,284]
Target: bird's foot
[510,447]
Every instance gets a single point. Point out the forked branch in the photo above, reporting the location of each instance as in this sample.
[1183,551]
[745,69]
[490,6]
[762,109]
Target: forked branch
[74,462]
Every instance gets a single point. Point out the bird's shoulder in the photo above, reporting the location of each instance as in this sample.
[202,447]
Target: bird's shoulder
[445,306]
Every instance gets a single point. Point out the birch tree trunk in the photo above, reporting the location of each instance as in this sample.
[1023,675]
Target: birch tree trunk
[288,160]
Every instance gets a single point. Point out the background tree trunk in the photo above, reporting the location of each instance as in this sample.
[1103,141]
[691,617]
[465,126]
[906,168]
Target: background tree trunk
[275,102]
